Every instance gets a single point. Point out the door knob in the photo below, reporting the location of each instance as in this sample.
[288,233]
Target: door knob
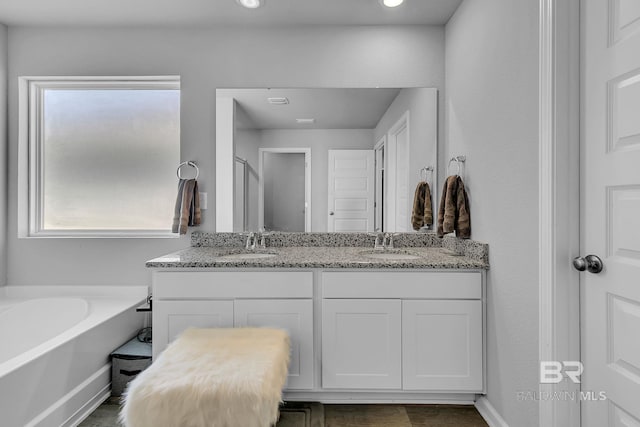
[331,213]
[591,263]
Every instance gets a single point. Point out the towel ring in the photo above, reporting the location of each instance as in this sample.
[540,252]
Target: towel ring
[459,160]
[188,163]
[424,171]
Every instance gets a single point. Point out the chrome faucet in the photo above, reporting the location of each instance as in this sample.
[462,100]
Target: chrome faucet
[251,241]
[260,238]
[263,243]
[388,240]
[379,243]
[383,240]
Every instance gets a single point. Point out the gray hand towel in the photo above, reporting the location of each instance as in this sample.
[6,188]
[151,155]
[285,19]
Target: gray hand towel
[187,210]
[453,214]
[422,213]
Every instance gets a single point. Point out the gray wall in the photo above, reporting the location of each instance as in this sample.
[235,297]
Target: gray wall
[3,154]
[336,56]
[492,118]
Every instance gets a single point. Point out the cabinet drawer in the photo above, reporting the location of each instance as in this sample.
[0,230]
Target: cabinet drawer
[231,284]
[402,285]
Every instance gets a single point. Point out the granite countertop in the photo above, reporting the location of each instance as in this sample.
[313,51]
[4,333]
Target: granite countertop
[317,257]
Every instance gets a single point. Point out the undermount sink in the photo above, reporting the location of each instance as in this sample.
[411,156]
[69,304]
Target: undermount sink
[246,256]
[390,256]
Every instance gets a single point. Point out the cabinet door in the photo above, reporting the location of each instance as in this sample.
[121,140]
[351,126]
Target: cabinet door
[361,344]
[294,316]
[442,345]
[170,318]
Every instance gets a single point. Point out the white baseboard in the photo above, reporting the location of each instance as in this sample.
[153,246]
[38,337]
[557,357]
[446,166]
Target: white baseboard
[88,407]
[360,397]
[489,413]
[71,408]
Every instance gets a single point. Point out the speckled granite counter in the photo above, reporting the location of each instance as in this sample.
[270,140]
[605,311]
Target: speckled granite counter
[224,250]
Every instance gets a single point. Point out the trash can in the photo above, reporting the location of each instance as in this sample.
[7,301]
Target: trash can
[128,361]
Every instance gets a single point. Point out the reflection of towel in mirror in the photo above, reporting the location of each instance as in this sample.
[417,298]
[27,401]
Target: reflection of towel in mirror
[453,214]
[422,214]
[187,211]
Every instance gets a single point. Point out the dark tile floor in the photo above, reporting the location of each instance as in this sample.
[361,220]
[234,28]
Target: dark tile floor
[317,415]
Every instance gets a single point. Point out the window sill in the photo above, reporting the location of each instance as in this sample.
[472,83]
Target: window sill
[95,234]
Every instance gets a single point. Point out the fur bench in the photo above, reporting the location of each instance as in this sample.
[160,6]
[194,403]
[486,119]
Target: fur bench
[212,378]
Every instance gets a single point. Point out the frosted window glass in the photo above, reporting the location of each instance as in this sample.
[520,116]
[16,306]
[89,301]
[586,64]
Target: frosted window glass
[109,158]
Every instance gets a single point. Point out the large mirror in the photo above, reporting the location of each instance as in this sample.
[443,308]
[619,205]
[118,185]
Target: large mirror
[324,159]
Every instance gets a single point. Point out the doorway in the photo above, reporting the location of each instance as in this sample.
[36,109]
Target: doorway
[284,194]
[398,208]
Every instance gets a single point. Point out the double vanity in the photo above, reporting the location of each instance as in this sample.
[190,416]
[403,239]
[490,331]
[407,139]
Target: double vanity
[366,325]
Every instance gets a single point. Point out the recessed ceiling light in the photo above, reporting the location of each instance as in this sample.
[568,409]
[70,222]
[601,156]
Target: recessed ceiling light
[278,100]
[392,3]
[306,121]
[250,4]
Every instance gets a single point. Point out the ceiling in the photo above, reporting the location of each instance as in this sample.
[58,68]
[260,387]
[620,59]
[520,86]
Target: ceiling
[331,108]
[208,12]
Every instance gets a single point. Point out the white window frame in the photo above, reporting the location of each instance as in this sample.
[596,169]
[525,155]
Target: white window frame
[30,141]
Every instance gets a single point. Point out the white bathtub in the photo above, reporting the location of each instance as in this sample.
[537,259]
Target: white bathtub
[54,349]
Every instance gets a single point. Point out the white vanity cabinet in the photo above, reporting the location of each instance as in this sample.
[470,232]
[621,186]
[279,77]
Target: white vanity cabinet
[411,331]
[183,299]
[356,334]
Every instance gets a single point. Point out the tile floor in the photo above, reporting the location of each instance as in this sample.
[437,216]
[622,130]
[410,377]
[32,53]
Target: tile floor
[318,415]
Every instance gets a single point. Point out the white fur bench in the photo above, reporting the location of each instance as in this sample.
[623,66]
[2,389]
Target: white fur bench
[212,378]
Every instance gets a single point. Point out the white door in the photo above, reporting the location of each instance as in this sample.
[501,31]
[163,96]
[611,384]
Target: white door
[361,344]
[610,206]
[294,316]
[351,190]
[442,345]
[170,318]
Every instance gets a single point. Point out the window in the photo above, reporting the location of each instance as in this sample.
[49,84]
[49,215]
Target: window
[101,155]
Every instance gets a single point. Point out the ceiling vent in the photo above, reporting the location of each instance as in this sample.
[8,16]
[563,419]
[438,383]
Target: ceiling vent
[278,101]
[306,121]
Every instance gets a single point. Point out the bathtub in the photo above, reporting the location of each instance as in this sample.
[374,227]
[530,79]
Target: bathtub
[54,349]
